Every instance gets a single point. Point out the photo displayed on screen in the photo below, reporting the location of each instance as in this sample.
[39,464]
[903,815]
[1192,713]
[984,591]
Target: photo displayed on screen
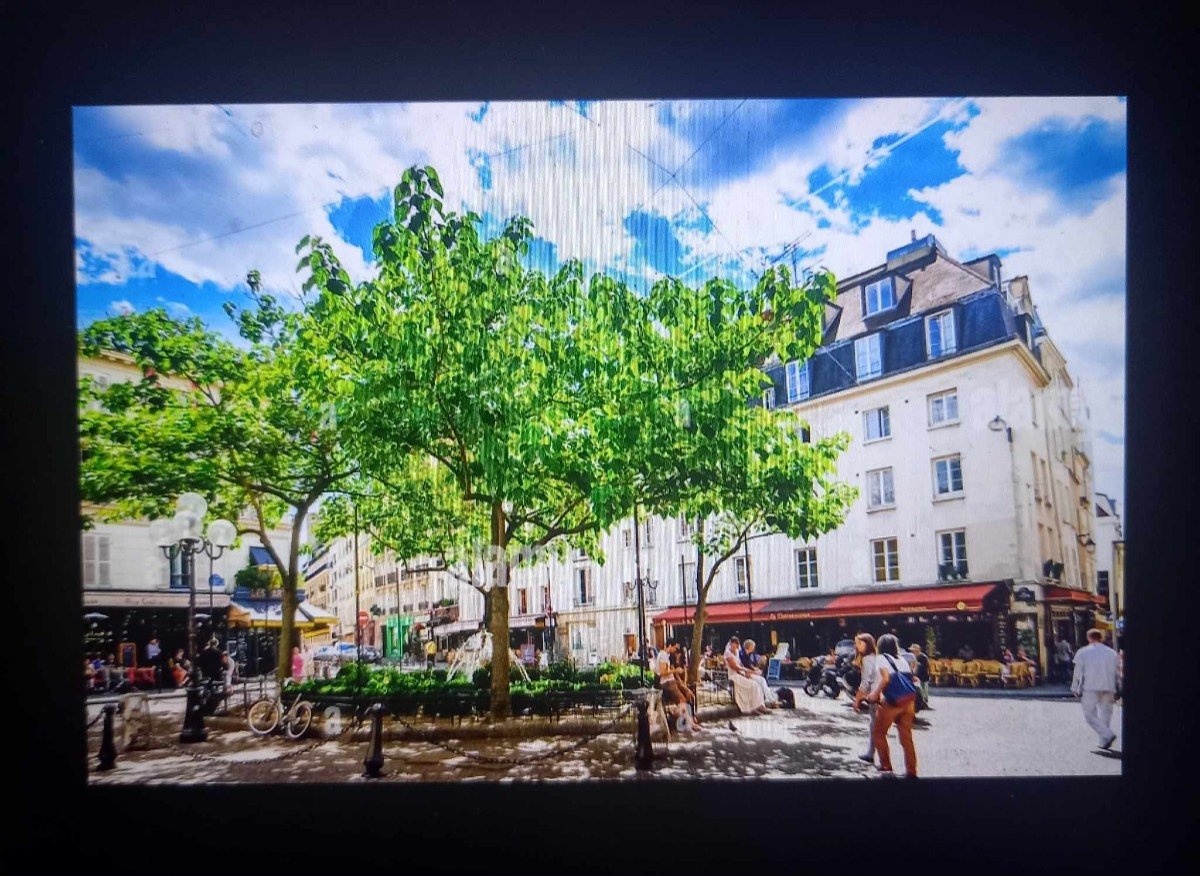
[589,440]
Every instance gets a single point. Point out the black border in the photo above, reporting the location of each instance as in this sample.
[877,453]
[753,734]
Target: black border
[174,53]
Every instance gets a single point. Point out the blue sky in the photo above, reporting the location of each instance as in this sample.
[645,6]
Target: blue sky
[174,204]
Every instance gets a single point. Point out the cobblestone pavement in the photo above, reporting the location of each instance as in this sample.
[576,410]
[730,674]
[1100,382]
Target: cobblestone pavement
[965,737]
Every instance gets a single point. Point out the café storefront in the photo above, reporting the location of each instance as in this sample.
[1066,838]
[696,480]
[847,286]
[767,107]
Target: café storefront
[942,619]
[121,622]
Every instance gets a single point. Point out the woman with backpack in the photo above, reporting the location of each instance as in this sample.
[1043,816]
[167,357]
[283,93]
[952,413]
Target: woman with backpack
[896,693]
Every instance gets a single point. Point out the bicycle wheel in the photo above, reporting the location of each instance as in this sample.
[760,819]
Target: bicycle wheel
[301,717]
[263,717]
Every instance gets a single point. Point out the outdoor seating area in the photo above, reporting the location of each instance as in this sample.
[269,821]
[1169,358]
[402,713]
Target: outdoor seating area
[947,672]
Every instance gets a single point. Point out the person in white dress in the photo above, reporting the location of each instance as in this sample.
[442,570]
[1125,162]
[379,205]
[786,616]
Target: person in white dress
[770,698]
[746,693]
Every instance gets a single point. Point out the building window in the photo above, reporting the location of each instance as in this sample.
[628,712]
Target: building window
[175,565]
[952,553]
[1102,583]
[97,567]
[879,295]
[868,358]
[886,554]
[522,601]
[943,407]
[583,587]
[545,597]
[1037,477]
[1033,407]
[805,435]
[806,568]
[877,424]
[687,581]
[646,540]
[769,398]
[581,553]
[880,489]
[627,536]
[939,334]
[651,593]
[685,527]
[740,576]
[798,385]
[947,476]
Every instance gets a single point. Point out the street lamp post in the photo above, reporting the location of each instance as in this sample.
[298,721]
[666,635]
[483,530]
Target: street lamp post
[181,537]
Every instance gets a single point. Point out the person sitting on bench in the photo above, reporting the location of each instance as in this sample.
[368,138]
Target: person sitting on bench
[672,693]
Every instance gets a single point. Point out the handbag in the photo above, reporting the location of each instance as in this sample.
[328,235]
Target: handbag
[899,685]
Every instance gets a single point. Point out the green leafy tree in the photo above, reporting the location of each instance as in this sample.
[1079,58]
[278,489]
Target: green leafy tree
[250,429]
[456,352]
[707,449]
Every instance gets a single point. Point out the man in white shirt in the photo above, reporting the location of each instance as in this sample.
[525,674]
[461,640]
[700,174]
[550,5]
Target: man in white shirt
[1095,684]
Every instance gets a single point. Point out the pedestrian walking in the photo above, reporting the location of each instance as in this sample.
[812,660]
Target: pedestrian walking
[297,664]
[430,653]
[896,694]
[1063,655]
[1094,683]
[864,657]
[921,671]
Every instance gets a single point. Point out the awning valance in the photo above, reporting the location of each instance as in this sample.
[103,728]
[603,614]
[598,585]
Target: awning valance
[1068,594]
[525,621]
[965,598]
[717,613]
[307,615]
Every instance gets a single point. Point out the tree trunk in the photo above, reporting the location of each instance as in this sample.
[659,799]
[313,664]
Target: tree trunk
[693,673]
[498,621]
[290,577]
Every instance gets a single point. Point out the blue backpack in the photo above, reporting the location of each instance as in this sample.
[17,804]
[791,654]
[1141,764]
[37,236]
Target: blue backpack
[899,685]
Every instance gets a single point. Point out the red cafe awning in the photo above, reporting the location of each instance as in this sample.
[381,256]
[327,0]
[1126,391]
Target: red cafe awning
[1067,594]
[718,613]
[967,597]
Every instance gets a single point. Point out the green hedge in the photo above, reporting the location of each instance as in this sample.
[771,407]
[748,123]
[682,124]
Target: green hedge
[559,678]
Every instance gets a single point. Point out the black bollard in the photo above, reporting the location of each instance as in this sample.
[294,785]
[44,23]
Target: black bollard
[193,719]
[108,748]
[643,752]
[373,764]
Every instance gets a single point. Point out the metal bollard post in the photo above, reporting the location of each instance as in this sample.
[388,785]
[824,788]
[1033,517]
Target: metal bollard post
[193,719]
[643,752]
[108,748]
[373,764]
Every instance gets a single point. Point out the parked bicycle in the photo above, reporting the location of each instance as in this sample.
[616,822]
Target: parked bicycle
[268,713]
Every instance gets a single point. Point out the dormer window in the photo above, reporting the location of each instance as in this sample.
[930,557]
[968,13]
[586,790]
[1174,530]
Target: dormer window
[879,296]
[868,357]
[798,383]
[939,334]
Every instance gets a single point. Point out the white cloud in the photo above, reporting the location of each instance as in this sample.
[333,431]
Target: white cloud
[124,308]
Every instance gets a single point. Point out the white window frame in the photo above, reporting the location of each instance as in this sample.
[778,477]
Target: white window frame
[886,478]
[799,382]
[948,339]
[944,396]
[627,535]
[806,566]
[878,287]
[97,568]
[891,560]
[955,557]
[867,349]
[768,397]
[740,579]
[952,493]
[646,539]
[687,581]
[883,416]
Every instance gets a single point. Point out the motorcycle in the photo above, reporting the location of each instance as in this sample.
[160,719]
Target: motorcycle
[823,677]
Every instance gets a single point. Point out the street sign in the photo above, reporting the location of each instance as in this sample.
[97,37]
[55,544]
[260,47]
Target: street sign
[363,618]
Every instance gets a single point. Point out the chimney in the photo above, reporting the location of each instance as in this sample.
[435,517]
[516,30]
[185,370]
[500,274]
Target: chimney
[913,232]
